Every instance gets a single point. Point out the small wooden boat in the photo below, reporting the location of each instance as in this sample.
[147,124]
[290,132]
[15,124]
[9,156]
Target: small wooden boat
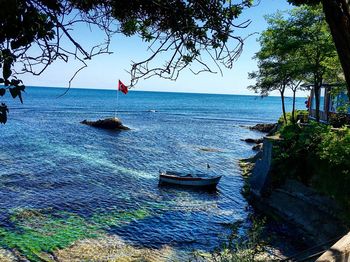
[192,180]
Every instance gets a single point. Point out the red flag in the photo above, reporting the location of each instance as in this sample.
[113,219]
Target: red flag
[123,88]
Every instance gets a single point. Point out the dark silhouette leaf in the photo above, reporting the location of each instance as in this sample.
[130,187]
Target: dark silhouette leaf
[6,71]
[21,88]
[14,92]
[3,113]
[20,96]
[15,82]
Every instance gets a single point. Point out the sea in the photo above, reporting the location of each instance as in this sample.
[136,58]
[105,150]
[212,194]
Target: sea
[51,162]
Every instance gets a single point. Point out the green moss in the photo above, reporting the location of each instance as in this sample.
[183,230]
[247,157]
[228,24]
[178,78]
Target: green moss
[39,233]
[246,168]
[36,234]
[118,218]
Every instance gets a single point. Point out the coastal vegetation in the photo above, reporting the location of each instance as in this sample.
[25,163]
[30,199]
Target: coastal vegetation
[317,155]
[297,52]
[309,169]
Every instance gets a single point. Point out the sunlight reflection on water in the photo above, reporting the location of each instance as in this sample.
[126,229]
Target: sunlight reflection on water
[52,162]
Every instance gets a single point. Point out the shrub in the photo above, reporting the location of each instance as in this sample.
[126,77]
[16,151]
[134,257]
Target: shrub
[301,115]
[316,155]
[339,120]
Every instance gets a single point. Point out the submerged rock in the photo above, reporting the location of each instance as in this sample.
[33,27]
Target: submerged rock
[108,123]
[209,149]
[113,248]
[6,256]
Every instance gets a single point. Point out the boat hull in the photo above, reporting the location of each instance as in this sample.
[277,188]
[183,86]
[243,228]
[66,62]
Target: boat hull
[189,181]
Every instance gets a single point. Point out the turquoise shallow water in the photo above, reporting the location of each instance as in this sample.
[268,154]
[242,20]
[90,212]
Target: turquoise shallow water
[49,161]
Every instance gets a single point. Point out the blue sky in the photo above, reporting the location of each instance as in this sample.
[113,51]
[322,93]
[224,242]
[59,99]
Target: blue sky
[105,70]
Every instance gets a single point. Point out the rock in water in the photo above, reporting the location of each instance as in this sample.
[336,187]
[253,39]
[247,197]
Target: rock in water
[253,141]
[108,123]
[265,128]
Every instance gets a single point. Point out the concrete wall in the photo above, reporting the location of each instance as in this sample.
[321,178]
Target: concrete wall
[259,177]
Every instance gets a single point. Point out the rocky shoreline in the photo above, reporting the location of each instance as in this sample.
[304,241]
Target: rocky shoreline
[313,219]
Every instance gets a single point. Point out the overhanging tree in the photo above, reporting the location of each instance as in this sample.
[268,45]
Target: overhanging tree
[35,33]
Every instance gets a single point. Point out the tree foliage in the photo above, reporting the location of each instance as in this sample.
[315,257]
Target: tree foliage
[337,13]
[278,60]
[296,47]
[35,33]
[318,54]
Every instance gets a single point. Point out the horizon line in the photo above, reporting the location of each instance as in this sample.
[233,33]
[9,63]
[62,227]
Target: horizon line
[156,91]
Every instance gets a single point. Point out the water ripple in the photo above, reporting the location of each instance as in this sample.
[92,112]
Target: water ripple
[49,161]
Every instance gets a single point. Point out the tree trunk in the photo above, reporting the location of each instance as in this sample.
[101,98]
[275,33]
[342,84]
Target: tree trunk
[317,100]
[283,106]
[337,14]
[293,109]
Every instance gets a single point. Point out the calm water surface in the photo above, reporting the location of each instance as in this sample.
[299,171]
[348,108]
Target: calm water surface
[50,161]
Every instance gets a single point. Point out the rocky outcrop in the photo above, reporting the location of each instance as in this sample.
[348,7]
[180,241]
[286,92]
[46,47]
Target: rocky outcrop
[253,140]
[247,164]
[108,123]
[265,128]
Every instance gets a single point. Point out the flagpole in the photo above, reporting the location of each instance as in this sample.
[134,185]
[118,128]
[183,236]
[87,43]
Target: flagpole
[116,109]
